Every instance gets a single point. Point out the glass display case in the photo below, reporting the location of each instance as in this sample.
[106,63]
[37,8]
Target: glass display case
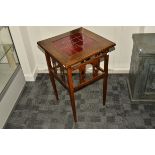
[141,81]
[8,58]
[12,79]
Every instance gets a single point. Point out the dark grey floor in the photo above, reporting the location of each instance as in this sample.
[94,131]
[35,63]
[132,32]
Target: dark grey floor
[38,109]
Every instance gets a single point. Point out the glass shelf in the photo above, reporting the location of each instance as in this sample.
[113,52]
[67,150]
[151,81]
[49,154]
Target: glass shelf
[4,49]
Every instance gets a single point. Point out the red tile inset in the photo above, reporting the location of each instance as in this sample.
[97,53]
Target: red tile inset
[73,44]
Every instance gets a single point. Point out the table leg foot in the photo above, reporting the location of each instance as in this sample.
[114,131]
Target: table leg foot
[73,106]
[104,90]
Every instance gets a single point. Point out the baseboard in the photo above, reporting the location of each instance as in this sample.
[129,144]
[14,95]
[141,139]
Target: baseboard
[42,69]
[119,71]
[31,77]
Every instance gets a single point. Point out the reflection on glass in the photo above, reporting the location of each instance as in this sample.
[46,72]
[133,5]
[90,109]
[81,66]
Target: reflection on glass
[8,57]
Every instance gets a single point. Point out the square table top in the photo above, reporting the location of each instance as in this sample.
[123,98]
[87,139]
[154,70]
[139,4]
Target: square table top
[74,46]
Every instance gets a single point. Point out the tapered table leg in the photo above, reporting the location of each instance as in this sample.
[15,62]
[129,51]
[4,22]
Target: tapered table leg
[51,75]
[105,79]
[71,92]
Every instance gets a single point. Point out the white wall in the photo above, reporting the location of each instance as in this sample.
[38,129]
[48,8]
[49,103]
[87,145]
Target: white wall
[24,52]
[119,59]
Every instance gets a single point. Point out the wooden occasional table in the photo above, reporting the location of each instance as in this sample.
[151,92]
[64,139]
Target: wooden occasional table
[71,52]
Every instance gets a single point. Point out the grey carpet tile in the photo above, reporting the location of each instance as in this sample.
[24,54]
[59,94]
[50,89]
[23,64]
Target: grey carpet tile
[37,107]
